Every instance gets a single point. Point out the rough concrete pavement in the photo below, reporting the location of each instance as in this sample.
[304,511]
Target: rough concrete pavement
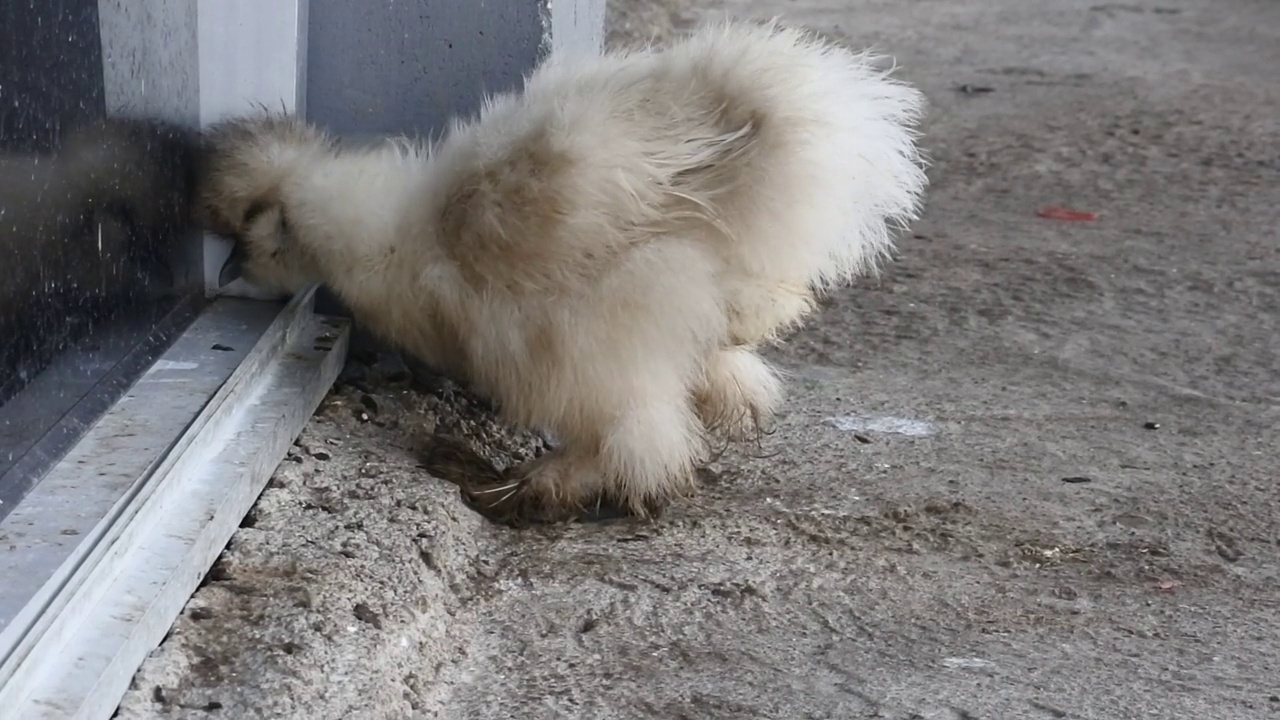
[1028,473]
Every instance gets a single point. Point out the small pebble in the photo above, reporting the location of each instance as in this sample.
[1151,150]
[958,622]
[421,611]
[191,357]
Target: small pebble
[1151,425]
[321,455]
[222,348]
[1066,592]
[366,614]
[1076,479]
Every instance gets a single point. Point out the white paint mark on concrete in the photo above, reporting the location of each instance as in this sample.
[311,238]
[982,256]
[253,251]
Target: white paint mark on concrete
[173,365]
[963,663]
[883,424]
[811,511]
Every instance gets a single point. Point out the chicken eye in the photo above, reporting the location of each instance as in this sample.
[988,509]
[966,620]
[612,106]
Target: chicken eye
[254,210]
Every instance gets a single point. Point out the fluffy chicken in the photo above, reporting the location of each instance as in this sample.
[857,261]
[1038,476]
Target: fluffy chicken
[602,253]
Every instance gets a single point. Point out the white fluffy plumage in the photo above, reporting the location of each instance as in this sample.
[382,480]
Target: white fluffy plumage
[604,252]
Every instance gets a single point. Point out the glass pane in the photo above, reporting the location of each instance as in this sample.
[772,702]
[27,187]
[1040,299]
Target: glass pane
[96,256]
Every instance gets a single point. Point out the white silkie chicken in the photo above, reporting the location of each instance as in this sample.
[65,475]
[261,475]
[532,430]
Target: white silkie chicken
[602,253]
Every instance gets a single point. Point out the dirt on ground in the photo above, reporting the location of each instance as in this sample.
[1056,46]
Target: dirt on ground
[1028,472]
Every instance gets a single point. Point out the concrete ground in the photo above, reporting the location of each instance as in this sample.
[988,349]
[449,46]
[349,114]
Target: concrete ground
[1028,473]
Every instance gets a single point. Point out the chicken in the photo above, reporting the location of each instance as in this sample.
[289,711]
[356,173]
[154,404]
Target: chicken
[603,253]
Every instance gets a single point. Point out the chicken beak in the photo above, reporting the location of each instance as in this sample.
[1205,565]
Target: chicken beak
[232,267]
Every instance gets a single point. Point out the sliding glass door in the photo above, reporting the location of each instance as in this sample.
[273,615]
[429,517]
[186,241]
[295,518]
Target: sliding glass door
[98,272]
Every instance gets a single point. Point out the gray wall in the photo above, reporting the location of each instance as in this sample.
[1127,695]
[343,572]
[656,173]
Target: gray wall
[407,66]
